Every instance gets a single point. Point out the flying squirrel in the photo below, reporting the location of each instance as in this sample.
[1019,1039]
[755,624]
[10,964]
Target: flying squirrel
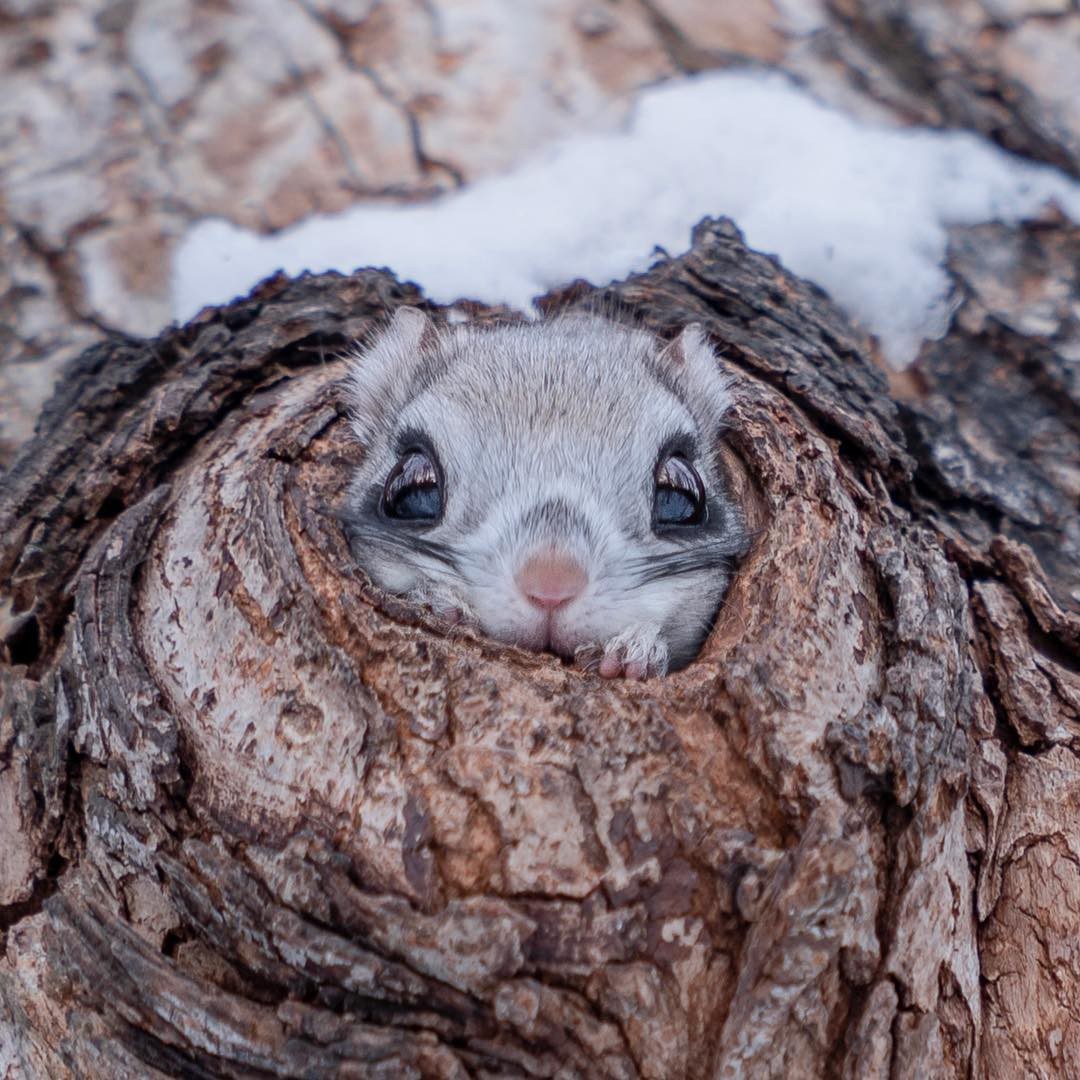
[556,484]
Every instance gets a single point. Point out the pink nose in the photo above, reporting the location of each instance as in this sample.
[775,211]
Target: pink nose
[551,579]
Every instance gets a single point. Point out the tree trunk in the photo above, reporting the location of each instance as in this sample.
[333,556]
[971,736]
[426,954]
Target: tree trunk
[262,820]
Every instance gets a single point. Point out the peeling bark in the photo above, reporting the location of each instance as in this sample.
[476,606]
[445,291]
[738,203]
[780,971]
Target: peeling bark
[268,821]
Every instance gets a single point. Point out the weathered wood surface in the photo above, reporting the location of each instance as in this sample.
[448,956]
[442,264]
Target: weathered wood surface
[113,153]
[1004,68]
[260,820]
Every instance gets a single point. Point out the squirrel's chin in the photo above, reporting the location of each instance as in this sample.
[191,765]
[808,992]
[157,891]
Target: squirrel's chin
[542,634]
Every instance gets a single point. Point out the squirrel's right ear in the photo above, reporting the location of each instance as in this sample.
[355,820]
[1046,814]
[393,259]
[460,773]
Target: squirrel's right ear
[382,372]
[690,362]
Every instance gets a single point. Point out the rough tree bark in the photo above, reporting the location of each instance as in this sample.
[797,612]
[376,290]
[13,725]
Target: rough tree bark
[260,820]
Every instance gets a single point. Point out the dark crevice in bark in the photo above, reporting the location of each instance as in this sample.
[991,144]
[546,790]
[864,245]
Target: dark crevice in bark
[62,265]
[12,914]
[342,34]
[61,848]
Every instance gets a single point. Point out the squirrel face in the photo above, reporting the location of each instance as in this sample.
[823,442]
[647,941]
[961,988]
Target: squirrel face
[557,484]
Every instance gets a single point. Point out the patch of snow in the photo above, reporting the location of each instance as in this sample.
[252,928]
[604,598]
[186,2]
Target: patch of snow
[859,209]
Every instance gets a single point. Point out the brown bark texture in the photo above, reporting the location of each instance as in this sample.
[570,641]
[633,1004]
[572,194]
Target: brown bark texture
[261,820]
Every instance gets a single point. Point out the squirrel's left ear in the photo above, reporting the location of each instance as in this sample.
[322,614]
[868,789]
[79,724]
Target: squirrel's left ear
[381,374]
[689,362]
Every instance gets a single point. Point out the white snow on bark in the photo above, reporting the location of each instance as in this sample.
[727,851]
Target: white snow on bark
[860,209]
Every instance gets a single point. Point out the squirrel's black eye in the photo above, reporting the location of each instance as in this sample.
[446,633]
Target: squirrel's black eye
[680,495]
[412,491]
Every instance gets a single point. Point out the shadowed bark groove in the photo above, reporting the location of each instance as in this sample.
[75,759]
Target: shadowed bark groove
[267,821]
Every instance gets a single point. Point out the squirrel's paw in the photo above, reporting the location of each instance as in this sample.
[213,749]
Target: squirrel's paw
[634,654]
[444,605]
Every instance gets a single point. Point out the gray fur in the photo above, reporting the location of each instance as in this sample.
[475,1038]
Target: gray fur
[548,434]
